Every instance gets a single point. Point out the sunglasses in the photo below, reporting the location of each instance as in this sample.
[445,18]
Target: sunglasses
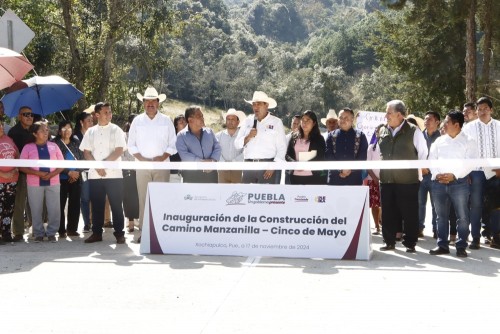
[27,114]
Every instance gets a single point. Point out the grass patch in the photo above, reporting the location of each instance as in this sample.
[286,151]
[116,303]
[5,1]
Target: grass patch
[213,116]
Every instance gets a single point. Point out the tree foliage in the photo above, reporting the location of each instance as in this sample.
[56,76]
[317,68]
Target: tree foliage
[309,54]
[277,20]
[86,41]
[424,43]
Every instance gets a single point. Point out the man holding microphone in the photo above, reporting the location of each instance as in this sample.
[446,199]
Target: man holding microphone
[262,138]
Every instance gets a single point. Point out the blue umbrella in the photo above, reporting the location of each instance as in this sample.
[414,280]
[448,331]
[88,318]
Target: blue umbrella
[44,95]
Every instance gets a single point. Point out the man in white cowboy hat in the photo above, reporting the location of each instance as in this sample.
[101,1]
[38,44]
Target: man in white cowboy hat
[331,121]
[233,118]
[151,138]
[262,138]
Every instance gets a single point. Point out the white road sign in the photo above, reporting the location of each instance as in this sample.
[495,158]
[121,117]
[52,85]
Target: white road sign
[14,33]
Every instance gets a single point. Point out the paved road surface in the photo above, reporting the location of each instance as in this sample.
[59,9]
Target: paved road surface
[72,287]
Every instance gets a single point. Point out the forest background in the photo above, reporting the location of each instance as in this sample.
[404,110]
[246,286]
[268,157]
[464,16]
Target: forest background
[307,54]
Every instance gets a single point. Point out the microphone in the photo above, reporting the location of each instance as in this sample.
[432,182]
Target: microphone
[255,124]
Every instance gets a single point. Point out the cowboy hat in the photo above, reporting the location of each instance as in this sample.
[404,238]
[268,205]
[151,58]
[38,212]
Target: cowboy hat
[240,114]
[331,114]
[90,109]
[151,94]
[419,121]
[262,97]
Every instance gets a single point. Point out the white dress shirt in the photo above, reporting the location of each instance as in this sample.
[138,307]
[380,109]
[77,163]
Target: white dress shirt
[325,135]
[229,151]
[487,137]
[269,143]
[101,141]
[152,137]
[460,147]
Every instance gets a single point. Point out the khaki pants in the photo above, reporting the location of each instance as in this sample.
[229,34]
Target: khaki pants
[143,177]
[230,176]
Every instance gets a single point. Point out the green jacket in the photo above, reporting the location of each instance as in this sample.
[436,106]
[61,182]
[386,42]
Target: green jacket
[399,147]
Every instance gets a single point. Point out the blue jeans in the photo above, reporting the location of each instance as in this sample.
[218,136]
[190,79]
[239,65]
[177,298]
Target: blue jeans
[425,188]
[478,183]
[456,193]
[493,200]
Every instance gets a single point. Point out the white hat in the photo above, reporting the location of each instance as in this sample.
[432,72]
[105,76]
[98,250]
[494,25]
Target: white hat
[331,114]
[240,114]
[262,97]
[419,121]
[90,109]
[151,94]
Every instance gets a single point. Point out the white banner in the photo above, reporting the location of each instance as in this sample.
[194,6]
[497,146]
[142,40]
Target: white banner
[257,220]
[367,121]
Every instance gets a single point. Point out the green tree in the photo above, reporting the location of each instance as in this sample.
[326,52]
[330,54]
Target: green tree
[424,42]
[347,48]
[79,40]
[234,75]
[278,20]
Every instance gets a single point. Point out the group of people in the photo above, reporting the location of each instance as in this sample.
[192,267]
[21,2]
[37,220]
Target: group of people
[461,196]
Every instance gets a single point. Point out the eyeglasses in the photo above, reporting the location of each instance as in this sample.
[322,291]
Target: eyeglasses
[27,114]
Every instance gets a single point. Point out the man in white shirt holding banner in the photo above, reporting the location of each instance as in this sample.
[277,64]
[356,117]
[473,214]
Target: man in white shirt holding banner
[262,138]
[450,184]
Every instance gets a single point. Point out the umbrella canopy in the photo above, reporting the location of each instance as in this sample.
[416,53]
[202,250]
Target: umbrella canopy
[13,67]
[44,95]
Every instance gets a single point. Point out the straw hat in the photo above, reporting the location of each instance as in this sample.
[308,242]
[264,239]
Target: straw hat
[331,114]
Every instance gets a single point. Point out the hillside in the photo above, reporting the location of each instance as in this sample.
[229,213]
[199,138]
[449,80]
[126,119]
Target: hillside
[213,116]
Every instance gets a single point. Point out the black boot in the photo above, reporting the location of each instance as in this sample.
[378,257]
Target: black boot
[475,244]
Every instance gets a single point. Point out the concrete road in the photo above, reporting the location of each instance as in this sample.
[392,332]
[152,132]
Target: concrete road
[72,287]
